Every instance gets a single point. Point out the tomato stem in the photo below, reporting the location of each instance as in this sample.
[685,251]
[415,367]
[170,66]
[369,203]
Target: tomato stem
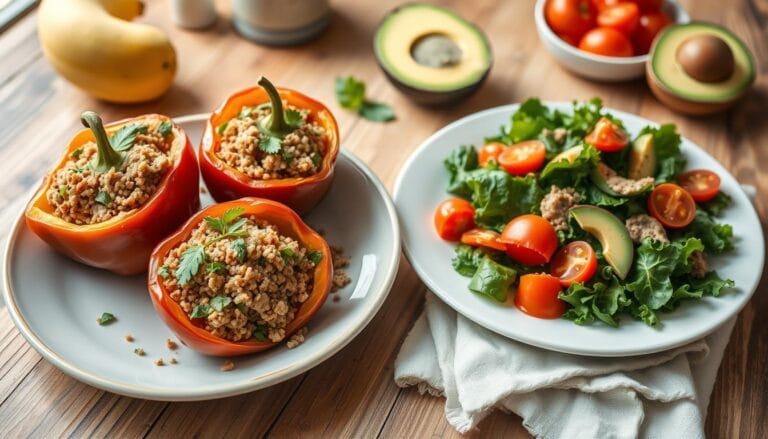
[274,124]
[106,156]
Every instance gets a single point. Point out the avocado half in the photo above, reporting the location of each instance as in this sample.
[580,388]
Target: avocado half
[432,54]
[699,68]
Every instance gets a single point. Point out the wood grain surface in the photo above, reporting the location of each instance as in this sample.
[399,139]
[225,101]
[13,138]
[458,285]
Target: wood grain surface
[352,394]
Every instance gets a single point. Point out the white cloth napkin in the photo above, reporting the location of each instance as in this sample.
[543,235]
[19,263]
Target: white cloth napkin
[559,395]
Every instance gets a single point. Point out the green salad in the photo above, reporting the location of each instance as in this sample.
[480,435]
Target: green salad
[577,219]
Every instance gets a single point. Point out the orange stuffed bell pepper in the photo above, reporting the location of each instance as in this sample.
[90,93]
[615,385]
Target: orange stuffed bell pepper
[254,146]
[240,277]
[117,192]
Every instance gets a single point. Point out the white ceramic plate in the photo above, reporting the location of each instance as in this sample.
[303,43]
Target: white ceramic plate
[55,302]
[421,186]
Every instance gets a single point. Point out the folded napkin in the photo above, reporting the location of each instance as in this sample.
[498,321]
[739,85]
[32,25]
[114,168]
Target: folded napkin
[558,395]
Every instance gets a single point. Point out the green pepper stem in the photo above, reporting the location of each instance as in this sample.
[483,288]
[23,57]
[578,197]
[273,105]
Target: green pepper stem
[106,157]
[276,124]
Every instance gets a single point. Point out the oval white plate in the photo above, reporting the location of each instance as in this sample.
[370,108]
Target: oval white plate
[421,186]
[55,302]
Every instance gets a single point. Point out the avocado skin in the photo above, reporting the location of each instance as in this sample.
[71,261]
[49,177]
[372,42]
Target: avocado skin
[435,98]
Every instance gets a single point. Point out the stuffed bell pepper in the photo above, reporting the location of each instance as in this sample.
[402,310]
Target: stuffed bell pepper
[272,143]
[240,277]
[118,191]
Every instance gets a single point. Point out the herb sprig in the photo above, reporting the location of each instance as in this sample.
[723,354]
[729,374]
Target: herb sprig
[350,92]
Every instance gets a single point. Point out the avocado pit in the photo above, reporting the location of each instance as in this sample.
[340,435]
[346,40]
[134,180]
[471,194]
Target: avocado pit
[706,58]
[436,51]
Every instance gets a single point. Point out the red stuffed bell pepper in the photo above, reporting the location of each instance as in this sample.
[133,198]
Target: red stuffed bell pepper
[110,200]
[286,155]
[240,277]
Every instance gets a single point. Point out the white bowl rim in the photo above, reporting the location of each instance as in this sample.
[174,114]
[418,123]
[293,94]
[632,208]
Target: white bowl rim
[681,16]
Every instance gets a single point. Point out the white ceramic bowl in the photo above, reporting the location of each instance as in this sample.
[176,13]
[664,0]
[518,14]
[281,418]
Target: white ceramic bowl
[598,67]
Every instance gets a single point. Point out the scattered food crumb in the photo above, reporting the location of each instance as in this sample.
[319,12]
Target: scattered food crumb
[203,190]
[159,362]
[174,361]
[297,338]
[227,366]
[336,297]
[139,351]
[129,338]
[106,318]
[171,344]
[340,277]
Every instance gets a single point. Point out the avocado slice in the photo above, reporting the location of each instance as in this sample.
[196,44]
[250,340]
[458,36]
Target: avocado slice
[432,54]
[570,154]
[602,173]
[610,232]
[642,158]
[699,67]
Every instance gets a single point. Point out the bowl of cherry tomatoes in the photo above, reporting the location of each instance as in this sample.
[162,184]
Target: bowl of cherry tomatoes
[605,40]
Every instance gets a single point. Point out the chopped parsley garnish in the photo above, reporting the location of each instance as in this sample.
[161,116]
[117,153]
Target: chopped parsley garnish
[315,257]
[200,311]
[316,159]
[220,302]
[243,309]
[262,261]
[260,333]
[165,129]
[216,267]
[222,128]
[106,318]
[240,249]
[287,253]
[63,191]
[163,272]
[189,264]
[103,198]
[76,153]
[124,138]
[287,157]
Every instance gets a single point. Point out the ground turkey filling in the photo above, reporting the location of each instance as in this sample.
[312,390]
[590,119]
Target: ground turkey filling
[80,195]
[300,153]
[242,296]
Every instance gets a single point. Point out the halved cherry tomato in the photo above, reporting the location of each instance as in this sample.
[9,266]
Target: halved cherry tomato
[672,205]
[524,157]
[529,239]
[702,184]
[453,217]
[603,4]
[490,151]
[483,238]
[576,262]
[537,296]
[624,17]
[607,136]
[607,42]
[650,25]
[570,17]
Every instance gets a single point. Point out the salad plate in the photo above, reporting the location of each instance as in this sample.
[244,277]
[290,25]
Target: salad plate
[421,187]
[55,302]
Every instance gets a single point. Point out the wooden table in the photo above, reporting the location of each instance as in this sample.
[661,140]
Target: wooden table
[351,394]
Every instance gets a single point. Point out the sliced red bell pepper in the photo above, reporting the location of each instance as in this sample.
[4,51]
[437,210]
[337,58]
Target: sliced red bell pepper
[121,244]
[288,223]
[227,183]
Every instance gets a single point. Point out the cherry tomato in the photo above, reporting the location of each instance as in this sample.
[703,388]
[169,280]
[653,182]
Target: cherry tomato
[490,151]
[569,39]
[603,4]
[524,157]
[537,296]
[576,262]
[483,238]
[650,25]
[624,17]
[529,239]
[672,205]
[570,17]
[453,217]
[702,184]
[649,5]
[606,42]
[607,136]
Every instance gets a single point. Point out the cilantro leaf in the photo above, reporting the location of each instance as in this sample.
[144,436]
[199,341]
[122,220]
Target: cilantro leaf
[201,311]
[165,129]
[220,302]
[189,264]
[231,214]
[293,118]
[270,144]
[350,92]
[377,112]
[106,318]
[492,280]
[123,139]
[287,253]
[315,257]
[216,267]
[240,249]
[103,198]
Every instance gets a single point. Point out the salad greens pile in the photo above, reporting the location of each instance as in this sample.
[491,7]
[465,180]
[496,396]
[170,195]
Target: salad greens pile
[660,278]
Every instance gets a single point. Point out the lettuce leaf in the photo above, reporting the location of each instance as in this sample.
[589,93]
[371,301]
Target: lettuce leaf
[461,161]
[499,197]
[716,237]
[492,280]
[528,121]
[650,280]
[467,259]
[564,173]
[717,205]
[686,246]
[711,284]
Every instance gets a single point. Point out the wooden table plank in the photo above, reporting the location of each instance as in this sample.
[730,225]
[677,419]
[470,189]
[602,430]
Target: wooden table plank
[351,394]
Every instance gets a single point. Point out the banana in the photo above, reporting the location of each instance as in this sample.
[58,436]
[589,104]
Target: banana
[93,44]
